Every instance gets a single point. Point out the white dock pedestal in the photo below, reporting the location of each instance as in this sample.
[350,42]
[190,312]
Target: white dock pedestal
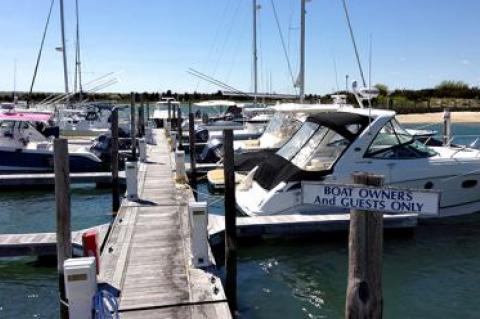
[199,225]
[132,182]
[80,286]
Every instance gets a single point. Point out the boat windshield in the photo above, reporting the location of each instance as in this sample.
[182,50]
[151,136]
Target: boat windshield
[314,147]
[162,106]
[280,127]
[394,142]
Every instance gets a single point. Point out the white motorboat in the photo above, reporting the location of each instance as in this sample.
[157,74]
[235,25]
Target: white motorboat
[286,120]
[160,111]
[329,147]
[24,149]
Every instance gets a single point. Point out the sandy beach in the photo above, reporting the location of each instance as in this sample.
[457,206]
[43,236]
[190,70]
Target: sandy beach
[457,117]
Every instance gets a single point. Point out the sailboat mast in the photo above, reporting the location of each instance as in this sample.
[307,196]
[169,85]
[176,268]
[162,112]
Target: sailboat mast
[255,57]
[64,53]
[301,77]
[78,64]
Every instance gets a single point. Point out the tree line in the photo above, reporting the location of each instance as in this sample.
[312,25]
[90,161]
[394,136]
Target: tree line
[444,90]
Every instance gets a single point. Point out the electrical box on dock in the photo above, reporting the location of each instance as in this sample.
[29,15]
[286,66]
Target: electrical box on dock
[199,229]
[132,183]
[80,286]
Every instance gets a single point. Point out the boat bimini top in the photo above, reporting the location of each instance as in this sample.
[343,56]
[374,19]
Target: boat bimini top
[324,135]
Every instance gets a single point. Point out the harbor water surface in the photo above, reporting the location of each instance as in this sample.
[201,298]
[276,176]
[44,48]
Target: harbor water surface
[432,273]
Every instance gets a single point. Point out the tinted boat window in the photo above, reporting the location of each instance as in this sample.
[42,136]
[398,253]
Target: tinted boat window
[393,142]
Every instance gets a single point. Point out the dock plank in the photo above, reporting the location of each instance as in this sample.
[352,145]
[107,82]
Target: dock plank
[147,255]
[42,244]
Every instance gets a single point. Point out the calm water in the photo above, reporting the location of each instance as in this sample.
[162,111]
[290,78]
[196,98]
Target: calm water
[29,290]
[431,274]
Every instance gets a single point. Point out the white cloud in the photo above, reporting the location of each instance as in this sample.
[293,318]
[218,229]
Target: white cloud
[465,62]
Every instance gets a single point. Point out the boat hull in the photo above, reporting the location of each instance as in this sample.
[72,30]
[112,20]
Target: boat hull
[22,161]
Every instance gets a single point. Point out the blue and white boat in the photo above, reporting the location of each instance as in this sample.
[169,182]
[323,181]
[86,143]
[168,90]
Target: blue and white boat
[24,149]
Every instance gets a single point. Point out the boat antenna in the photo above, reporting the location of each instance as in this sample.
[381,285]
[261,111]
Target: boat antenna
[370,64]
[284,47]
[352,36]
[40,52]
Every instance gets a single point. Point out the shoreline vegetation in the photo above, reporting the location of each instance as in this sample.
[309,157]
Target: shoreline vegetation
[412,106]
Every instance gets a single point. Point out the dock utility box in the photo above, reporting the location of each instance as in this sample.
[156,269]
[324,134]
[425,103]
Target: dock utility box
[80,286]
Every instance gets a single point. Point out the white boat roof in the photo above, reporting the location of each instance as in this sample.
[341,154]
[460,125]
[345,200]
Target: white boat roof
[374,113]
[167,101]
[307,108]
[215,103]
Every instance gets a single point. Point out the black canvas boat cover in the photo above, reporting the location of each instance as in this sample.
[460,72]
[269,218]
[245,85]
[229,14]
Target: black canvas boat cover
[340,122]
[277,169]
[246,161]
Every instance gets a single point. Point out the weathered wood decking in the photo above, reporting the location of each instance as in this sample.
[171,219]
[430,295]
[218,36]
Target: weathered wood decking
[43,244]
[147,255]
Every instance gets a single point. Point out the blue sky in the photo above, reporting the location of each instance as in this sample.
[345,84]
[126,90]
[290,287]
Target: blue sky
[416,44]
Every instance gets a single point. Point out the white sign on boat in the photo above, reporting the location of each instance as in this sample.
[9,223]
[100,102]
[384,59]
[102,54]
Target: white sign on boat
[383,199]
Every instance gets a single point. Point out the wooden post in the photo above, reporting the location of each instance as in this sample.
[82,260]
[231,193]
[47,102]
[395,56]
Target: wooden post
[364,290]
[179,129]
[114,156]
[62,198]
[193,153]
[133,127]
[230,222]
[141,118]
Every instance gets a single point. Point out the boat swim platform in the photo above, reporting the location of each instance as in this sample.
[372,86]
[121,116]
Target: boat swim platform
[147,255]
[297,225]
[38,180]
[44,244]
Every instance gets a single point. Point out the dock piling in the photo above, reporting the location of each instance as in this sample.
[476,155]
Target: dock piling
[364,290]
[114,155]
[192,152]
[179,129]
[62,198]
[230,222]
[141,117]
[133,129]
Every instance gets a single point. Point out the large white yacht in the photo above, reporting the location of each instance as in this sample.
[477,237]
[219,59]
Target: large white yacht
[329,147]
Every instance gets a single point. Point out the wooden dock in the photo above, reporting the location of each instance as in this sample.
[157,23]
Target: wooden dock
[147,256]
[43,244]
[48,179]
[296,225]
